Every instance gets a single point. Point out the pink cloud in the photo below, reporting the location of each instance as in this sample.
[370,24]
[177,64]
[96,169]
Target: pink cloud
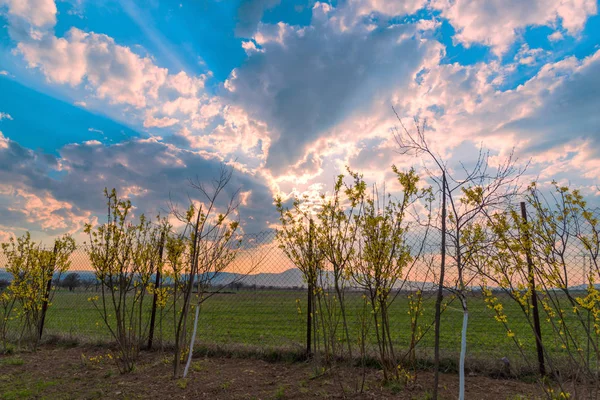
[496,23]
[40,13]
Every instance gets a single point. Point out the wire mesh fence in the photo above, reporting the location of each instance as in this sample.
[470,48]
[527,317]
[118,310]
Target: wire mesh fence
[263,305]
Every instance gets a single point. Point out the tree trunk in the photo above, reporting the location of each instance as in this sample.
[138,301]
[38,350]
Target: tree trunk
[156,289]
[463,348]
[440,295]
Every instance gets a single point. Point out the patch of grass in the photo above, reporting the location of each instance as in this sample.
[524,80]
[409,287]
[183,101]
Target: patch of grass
[17,394]
[303,390]
[23,386]
[226,385]
[41,385]
[8,349]
[280,393]
[395,387]
[11,361]
[182,383]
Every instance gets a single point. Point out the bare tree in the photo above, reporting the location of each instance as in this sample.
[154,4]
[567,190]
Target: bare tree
[211,245]
[468,192]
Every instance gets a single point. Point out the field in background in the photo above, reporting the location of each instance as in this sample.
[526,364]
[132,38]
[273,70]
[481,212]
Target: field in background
[269,311]
[272,319]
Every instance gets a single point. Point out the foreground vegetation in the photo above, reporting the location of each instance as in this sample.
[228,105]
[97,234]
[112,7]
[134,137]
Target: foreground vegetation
[87,372]
[270,319]
[498,281]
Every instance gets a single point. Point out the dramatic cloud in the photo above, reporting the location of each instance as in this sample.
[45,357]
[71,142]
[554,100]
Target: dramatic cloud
[113,73]
[150,172]
[550,118]
[304,81]
[496,23]
[567,116]
[302,104]
[26,198]
[352,11]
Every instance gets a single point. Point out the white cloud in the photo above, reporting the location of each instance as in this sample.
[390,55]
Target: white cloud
[40,13]
[567,95]
[181,105]
[186,85]
[164,122]
[556,36]
[527,56]
[4,115]
[360,8]
[237,136]
[113,71]
[249,47]
[116,74]
[497,23]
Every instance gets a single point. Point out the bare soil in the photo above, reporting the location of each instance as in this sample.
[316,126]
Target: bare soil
[55,372]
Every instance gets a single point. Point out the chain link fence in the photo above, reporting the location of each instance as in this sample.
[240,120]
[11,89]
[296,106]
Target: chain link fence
[265,308]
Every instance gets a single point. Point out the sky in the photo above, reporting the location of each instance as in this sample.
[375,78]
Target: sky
[144,95]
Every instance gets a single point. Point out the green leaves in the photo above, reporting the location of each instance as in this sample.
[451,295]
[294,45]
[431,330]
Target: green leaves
[355,234]
[124,254]
[32,266]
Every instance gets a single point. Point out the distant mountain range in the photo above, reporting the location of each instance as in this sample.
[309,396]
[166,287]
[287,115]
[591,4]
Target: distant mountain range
[287,279]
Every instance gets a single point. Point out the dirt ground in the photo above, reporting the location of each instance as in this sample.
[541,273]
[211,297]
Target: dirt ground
[55,372]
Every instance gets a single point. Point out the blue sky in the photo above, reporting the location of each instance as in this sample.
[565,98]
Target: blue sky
[134,95]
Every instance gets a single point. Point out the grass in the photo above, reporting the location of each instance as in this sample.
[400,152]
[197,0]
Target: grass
[270,319]
[23,387]
[280,392]
[11,361]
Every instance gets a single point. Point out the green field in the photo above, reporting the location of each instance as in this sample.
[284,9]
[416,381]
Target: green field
[270,319]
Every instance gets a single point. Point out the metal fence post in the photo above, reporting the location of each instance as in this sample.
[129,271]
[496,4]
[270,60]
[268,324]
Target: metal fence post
[534,303]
